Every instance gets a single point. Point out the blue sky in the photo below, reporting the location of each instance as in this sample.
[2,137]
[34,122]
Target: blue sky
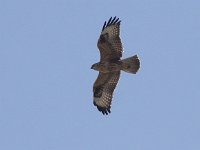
[46,50]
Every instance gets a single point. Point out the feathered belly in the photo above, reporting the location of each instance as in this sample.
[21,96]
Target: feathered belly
[109,67]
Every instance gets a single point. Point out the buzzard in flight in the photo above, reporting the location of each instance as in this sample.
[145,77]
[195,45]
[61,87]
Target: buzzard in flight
[110,65]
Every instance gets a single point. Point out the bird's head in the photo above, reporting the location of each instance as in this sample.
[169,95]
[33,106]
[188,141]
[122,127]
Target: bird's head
[95,66]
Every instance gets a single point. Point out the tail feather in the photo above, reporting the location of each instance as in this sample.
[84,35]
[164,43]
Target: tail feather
[131,64]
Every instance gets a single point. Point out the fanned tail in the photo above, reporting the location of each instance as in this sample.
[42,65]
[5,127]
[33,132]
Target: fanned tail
[131,64]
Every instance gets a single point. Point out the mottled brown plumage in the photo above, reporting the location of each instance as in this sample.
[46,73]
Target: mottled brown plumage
[110,65]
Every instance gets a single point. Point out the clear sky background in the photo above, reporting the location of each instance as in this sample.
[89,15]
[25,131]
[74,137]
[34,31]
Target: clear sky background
[46,50]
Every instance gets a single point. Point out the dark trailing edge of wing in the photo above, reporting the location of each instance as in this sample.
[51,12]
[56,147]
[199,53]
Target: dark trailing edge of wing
[111,21]
[104,110]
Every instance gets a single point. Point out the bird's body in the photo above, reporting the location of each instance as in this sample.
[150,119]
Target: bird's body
[107,67]
[110,65]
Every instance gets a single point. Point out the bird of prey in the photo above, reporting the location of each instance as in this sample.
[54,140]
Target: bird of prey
[110,65]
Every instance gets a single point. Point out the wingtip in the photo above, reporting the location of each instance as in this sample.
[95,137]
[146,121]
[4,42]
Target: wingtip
[111,21]
[103,110]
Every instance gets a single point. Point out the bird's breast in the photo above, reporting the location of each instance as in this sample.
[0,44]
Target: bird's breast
[107,67]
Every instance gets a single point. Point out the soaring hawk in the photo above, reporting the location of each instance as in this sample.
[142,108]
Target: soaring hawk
[110,65]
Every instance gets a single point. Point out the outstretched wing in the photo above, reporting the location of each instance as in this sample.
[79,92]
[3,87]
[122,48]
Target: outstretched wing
[103,89]
[109,42]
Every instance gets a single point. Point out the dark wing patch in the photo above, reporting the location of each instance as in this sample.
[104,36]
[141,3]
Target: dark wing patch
[109,42]
[103,89]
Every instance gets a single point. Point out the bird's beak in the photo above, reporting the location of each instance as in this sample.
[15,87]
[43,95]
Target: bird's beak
[91,67]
